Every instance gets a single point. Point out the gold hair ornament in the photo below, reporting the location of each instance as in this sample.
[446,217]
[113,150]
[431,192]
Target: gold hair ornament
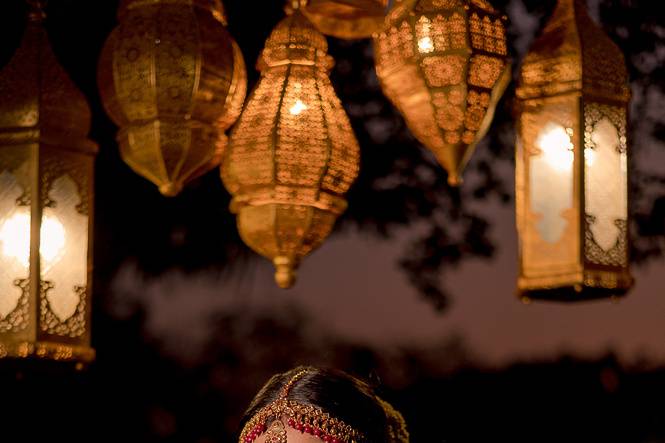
[304,418]
[397,431]
[314,421]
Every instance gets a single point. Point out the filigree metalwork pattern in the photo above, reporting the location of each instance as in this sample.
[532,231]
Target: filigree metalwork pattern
[293,153]
[444,65]
[19,318]
[174,80]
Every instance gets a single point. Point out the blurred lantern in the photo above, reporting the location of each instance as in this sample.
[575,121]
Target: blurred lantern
[46,203]
[293,153]
[572,162]
[173,79]
[444,65]
[345,18]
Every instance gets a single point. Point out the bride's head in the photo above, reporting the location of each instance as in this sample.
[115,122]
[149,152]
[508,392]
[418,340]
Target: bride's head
[310,405]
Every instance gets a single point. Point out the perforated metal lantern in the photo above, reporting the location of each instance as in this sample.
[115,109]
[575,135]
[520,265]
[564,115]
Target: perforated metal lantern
[172,78]
[348,19]
[46,204]
[444,65]
[293,154]
[572,162]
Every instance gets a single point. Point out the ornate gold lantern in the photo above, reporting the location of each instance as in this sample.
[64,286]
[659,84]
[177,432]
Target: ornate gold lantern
[293,154]
[444,65]
[345,18]
[173,79]
[572,162]
[46,204]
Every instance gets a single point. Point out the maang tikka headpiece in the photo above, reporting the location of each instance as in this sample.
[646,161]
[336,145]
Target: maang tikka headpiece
[312,420]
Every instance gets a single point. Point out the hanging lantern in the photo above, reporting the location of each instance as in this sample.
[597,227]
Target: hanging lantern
[348,19]
[572,162]
[293,153]
[46,203]
[173,79]
[444,65]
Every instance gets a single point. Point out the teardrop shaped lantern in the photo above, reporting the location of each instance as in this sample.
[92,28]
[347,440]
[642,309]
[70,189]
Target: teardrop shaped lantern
[444,65]
[348,19]
[293,154]
[572,162]
[172,78]
[46,204]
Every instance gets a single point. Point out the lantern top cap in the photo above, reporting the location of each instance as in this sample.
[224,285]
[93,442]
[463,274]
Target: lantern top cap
[297,30]
[295,40]
[40,102]
[216,7]
[578,54]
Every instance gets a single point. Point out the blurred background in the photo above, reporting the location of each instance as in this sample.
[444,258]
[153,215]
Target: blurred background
[414,291]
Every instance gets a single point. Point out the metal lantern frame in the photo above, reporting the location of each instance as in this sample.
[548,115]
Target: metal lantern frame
[572,186]
[46,206]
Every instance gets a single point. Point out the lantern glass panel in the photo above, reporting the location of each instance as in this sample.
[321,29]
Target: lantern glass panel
[606,184]
[64,249]
[548,186]
[14,247]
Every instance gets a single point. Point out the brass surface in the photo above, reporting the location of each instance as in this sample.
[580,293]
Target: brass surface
[293,154]
[348,19]
[47,159]
[172,78]
[574,76]
[444,65]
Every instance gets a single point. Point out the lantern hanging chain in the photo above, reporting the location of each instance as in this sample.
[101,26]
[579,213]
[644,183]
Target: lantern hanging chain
[37,10]
[292,6]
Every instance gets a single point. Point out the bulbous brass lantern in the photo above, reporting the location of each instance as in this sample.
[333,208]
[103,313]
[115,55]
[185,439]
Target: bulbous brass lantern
[46,204]
[345,18]
[444,65]
[293,154]
[572,162]
[172,78]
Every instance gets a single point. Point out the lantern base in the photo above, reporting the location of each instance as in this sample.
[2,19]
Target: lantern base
[79,356]
[570,293]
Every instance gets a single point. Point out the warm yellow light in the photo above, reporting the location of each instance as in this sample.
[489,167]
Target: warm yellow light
[15,239]
[425,45]
[557,149]
[297,108]
[589,156]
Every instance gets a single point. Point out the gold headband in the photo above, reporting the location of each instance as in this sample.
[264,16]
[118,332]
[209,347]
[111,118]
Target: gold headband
[313,420]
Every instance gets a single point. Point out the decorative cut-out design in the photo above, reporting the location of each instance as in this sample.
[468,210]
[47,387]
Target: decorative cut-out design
[606,190]
[64,256]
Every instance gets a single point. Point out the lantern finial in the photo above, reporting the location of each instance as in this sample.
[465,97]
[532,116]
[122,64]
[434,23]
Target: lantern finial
[285,274]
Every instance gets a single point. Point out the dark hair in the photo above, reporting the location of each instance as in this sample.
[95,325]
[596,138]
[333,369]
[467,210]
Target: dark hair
[337,393]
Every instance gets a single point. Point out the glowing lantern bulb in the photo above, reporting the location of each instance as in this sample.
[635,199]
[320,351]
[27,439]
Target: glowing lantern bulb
[425,45]
[297,108]
[15,239]
[557,147]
